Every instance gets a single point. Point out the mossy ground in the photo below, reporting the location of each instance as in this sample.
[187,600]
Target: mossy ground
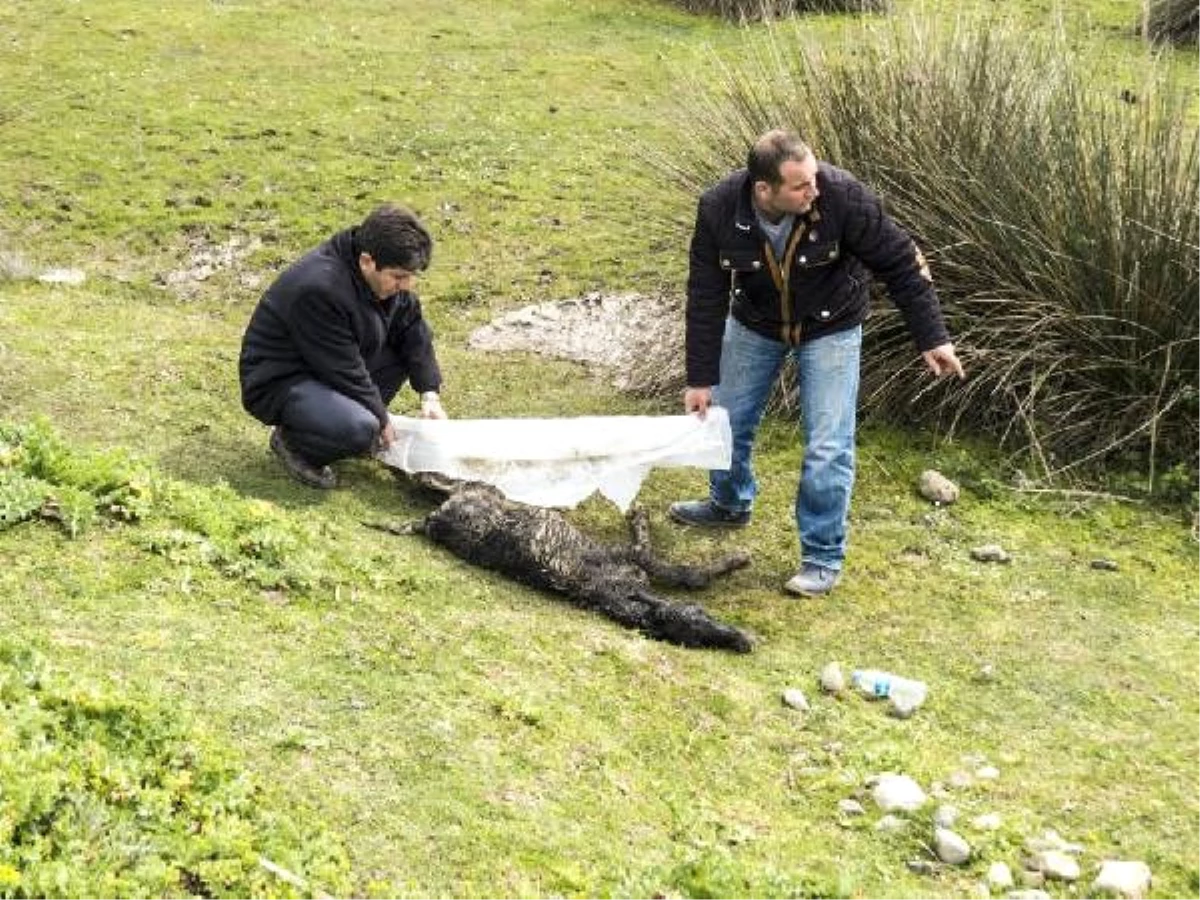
[465,736]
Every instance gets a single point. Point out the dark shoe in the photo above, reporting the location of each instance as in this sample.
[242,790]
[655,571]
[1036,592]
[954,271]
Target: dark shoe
[812,581]
[707,514]
[300,468]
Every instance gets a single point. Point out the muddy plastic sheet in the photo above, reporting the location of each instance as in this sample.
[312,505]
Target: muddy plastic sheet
[560,462]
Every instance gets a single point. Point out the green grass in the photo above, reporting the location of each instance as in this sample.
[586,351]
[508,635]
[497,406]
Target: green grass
[463,736]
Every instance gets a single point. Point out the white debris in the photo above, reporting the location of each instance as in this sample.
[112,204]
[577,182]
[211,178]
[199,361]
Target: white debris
[850,807]
[1126,878]
[832,679]
[999,876]
[63,276]
[945,816]
[987,822]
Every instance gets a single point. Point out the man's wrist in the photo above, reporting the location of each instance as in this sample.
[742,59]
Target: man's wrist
[430,397]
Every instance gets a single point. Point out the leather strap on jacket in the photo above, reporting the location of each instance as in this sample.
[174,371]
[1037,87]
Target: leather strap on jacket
[789,333]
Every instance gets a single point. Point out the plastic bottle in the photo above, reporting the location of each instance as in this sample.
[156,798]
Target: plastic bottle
[904,692]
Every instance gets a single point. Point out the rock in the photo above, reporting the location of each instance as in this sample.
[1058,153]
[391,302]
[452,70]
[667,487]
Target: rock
[937,488]
[945,816]
[999,876]
[898,792]
[1055,865]
[795,698]
[1126,878]
[62,276]
[987,773]
[950,847]
[990,553]
[850,807]
[832,679]
[920,866]
[1027,895]
[1031,878]
[987,822]
[1051,840]
[960,779]
[1105,565]
[891,822]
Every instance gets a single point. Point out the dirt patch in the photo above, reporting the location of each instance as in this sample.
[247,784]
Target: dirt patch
[612,332]
[205,259]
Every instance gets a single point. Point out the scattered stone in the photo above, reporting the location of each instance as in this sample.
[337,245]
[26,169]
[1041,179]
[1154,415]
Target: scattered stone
[1105,565]
[891,822]
[1055,865]
[960,779]
[938,791]
[987,822]
[950,847]
[63,276]
[1027,895]
[1051,840]
[999,876]
[900,792]
[937,488]
[850,807]
[945,816]
[1031,878]
[795,698]
[987,773]
[832,679]
[990,553]
[986,673]
[920,866]
[1126,878]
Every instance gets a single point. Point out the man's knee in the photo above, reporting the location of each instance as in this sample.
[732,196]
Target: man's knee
[361,434]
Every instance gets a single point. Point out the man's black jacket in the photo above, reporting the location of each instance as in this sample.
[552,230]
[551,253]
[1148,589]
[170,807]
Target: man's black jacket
[830,251]
[321,320]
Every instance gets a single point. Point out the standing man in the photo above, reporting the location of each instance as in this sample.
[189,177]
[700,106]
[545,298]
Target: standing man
[332,341]
[778,267]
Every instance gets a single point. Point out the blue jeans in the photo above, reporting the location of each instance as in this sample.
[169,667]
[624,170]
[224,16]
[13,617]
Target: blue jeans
[827,386]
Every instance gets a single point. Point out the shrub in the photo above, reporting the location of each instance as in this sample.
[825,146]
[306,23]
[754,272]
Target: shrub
[100,797]
[1060,223]
[1172,21]
[751,10]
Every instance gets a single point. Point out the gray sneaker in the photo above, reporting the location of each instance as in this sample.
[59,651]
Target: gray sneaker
[812,581]
[707,514]
[299,467]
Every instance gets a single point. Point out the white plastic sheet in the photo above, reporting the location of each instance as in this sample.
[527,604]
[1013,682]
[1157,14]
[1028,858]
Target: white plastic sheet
[560,462]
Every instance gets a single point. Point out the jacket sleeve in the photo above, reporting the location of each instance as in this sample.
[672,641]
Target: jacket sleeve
[324,336]
[892,256]
[707,300]
[412,339]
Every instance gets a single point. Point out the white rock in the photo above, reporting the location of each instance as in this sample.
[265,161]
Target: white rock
[945,816]
[1055,865]
[987,773]
[1051,840]
[950,847]
[1126,878]
[832,679]
[794,697]
[62,276]
[961,779]
[900,792]
[1032,894]
[999,876]
[850,807]
[990,553]
[891,822]
[987,822]
[937,488]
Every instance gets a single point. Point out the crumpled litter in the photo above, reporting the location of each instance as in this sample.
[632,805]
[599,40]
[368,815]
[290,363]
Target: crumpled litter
[560,462]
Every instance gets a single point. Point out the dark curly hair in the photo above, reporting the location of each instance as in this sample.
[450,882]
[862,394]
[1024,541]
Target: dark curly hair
[395,238]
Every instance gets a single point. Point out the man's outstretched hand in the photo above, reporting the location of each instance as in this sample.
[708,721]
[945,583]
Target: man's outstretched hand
[942,360]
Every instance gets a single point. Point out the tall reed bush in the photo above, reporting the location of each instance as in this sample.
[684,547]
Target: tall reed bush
[1172,21]
[1058,211]
[741,10]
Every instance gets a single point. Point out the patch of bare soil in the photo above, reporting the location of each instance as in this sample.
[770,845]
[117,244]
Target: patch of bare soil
[617,333]
[205,258]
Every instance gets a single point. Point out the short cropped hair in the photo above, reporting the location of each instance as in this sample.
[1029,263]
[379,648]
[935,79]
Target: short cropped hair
[395,238]
[771,151]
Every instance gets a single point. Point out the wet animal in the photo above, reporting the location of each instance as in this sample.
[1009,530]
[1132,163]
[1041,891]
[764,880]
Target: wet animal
[540,548]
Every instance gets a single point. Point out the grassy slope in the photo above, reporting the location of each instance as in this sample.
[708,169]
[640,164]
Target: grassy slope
[469,737]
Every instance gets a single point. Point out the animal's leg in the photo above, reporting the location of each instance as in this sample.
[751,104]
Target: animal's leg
[678,575]
[401,528]
[689,625]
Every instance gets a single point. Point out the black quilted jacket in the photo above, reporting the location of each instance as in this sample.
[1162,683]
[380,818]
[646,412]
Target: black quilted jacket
[320,320]
[833,248]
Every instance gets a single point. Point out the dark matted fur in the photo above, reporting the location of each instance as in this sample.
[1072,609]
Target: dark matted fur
[540,548]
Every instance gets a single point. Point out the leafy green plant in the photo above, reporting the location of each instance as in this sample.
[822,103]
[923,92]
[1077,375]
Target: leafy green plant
[1060,222]
[157,807]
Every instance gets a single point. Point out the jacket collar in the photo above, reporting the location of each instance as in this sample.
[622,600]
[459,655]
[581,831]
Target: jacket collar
[745,219]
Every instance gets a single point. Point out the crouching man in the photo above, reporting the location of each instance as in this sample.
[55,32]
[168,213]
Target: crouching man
[334,339]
